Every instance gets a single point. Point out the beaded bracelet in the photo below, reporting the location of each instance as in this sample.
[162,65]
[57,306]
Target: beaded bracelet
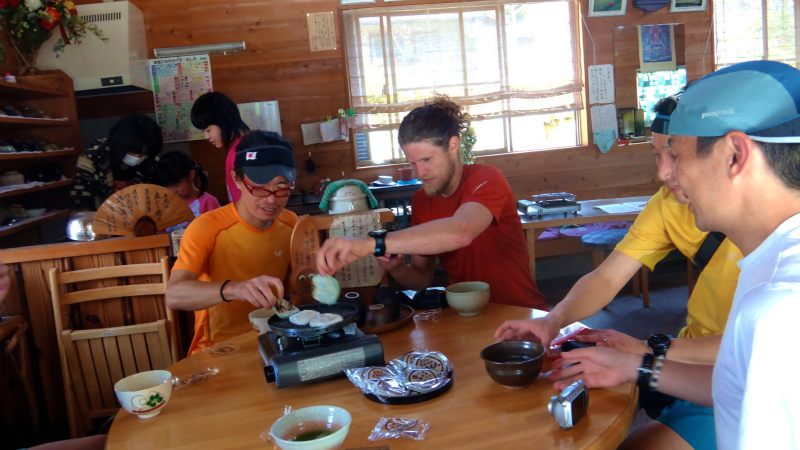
[220,291]
[657,372]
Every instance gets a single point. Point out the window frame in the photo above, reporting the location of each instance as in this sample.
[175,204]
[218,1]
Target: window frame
[384,9]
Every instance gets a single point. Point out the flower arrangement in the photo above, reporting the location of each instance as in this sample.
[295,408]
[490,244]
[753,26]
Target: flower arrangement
[29,24]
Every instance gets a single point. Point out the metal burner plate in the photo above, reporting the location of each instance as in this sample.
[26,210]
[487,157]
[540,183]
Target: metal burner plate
[284,327]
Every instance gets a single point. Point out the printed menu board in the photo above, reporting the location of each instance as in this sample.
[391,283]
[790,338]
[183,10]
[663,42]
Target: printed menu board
[177,82]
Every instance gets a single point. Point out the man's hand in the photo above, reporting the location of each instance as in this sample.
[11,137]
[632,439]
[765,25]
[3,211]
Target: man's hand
[5,282]
[390,262]
[336,253]
[597,367]
[256,291]
[614,339]
[536,330]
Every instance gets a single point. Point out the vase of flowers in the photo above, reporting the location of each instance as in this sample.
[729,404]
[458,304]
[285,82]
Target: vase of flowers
[30,23]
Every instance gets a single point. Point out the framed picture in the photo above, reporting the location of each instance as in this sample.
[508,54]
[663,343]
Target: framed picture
[688,5]
[602,8]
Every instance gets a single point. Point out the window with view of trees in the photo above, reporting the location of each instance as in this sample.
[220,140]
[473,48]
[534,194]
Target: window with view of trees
[748,30]
[514,66]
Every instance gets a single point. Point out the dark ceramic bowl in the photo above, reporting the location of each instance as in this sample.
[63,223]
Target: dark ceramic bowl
[377,316]
[387,297]
[513,364]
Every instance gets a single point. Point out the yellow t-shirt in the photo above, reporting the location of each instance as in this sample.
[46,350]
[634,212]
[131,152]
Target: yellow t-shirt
[220,246]
[666,224]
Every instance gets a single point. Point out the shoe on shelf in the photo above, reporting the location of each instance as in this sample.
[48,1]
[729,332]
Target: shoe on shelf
[11,111]
[32,113]
[5,147]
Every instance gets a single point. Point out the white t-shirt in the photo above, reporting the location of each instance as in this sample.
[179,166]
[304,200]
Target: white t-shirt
[756,395]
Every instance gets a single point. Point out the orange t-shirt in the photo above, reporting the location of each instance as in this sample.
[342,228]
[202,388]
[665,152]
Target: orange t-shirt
[499,255]
[220,246]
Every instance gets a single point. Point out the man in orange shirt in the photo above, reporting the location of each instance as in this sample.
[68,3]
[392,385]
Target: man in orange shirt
[465,214]
[235,259]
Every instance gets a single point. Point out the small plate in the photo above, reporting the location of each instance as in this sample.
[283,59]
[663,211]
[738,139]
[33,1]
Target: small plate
[406,314]
[414,397]
[378,183]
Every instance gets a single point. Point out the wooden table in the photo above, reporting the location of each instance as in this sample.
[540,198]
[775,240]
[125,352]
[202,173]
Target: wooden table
[534,226]
[231,410]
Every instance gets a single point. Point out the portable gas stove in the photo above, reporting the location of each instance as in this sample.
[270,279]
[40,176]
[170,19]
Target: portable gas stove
[554,203]
[298,354]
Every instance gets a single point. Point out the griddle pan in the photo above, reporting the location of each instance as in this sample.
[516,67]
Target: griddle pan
[284,327]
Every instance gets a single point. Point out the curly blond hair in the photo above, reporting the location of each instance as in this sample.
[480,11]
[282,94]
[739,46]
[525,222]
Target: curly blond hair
[436,122]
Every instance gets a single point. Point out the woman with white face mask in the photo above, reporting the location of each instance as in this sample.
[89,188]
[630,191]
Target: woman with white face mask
[125,158]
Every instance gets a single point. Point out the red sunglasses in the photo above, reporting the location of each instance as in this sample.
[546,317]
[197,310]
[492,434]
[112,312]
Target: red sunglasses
[261,192]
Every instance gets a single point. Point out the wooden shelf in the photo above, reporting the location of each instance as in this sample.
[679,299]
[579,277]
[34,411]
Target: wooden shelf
[16,91]
[24,122]
[8,156]
[34,222]
[36,189]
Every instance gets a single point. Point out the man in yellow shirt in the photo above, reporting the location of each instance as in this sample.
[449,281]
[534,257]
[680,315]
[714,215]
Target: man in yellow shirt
[663,225]
[235,259]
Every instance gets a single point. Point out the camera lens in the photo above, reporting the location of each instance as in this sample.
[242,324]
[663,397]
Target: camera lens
[553,400]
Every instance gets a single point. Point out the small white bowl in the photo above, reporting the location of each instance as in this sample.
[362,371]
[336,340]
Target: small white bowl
[311,419]
[144,394]
[259,319]
[36,212]
[468,297]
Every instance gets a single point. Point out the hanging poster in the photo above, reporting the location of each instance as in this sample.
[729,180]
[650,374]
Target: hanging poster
[365,271]
[261,115]
[321,31]
[601,83]
[604,126]
[656,48]
[177,82]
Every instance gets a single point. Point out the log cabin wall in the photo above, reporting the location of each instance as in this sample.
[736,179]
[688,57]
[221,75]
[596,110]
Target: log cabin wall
[278,65]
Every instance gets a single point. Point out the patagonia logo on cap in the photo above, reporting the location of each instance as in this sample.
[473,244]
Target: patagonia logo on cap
[724,112]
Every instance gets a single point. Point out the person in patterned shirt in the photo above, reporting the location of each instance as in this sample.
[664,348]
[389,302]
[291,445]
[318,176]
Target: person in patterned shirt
[125,158]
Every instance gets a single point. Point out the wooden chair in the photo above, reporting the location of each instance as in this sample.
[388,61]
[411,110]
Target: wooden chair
[92,361]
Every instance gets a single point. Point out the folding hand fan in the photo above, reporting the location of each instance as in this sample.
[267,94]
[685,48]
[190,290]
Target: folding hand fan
[140,210]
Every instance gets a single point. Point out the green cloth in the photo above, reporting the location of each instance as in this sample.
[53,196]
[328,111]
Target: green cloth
[336,185]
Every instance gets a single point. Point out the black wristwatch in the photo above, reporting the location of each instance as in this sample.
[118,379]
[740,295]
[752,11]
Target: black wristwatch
[380,241]
[660,343]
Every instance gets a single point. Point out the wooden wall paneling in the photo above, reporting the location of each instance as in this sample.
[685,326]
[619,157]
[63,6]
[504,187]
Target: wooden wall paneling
[40,309]
[588,180]
[278,65]
[102,313]
[564,160]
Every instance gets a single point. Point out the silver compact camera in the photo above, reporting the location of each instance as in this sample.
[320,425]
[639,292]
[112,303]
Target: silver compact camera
[571,405]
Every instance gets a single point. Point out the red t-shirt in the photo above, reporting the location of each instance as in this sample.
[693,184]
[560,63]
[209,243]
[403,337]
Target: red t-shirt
[499,255]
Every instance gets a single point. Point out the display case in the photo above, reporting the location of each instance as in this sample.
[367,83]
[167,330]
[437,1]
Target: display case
[42,145]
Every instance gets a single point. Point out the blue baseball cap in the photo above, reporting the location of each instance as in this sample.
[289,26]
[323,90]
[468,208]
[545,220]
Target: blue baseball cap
[758,98]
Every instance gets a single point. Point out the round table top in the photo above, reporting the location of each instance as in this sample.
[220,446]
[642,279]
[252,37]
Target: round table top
[232,409]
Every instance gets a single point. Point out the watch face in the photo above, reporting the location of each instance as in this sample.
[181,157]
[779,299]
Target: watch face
[659,341]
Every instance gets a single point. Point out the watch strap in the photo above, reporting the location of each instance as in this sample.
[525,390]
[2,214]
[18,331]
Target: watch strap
[645,371]
[380,243]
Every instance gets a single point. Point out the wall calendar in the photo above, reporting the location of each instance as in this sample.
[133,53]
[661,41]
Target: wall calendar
[177,82]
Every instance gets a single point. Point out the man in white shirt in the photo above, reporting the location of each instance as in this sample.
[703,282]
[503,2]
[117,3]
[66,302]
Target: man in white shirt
[736,143]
